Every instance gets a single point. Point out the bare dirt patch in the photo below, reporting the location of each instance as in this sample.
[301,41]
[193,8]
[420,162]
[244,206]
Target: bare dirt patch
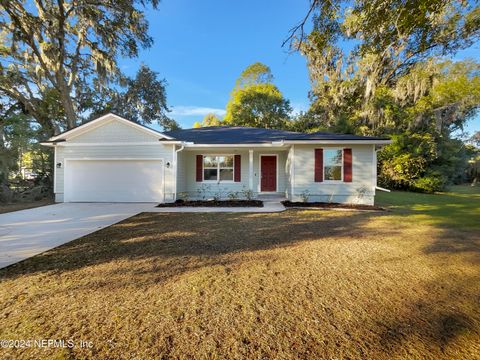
[5,208]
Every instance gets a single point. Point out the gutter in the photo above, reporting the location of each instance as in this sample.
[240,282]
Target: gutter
[52,143]
[373,142]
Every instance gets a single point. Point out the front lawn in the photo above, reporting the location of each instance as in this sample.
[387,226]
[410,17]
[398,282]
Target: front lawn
[298,284]
[10,207]
[458,208]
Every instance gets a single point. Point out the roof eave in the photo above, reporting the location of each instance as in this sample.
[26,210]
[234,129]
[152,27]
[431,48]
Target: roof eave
[342,141]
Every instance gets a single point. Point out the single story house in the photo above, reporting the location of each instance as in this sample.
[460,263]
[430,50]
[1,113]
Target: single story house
[112,159]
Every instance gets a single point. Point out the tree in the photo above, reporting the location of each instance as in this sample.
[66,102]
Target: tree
[63,49]
[209,120]
[19,140]
[475,139]
[144,99]
[254,74]
[255,101]
[393,80]
[389,38]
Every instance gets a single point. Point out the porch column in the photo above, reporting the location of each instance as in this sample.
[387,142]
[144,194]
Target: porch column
[250,169]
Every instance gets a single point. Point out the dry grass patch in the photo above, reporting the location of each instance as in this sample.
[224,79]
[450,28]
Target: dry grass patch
[6,208]
[298,284]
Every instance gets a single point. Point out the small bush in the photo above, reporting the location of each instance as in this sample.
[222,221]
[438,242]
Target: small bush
[429,184]
[305,195]
[233,195]
[247,193]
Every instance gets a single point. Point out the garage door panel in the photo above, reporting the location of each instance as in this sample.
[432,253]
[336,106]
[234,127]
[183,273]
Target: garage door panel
[113,181]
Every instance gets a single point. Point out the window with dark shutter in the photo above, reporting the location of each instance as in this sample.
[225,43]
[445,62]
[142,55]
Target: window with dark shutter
[347,165]
[199,168]
[318,165]
[238,168]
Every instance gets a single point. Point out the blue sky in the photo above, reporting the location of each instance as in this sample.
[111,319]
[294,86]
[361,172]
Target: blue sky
[201,47]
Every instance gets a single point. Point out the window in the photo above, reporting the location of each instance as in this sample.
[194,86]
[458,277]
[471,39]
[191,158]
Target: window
[332,168]
[218,168]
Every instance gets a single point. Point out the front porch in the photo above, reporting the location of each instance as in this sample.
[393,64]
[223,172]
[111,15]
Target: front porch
[233,173]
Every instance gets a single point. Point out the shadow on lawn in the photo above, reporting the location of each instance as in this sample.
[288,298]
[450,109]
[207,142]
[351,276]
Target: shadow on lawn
[170,240]
[450,308]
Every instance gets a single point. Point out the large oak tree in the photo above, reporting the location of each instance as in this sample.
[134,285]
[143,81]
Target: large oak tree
[56,55]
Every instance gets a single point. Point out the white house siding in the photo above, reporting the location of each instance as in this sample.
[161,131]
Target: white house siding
[363,167]
[181,175]
[114,131]
[187,172]
[142,146]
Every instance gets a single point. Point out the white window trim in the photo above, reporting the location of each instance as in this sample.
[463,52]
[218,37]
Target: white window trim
[341,164]
[260,174]
[218,181]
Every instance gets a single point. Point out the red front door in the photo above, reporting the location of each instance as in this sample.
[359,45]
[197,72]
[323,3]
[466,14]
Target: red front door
[268,173]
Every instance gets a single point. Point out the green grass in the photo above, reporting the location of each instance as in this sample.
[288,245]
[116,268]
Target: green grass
[458,208]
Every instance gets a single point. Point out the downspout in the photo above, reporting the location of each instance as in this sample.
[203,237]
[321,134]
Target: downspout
[376,175]
[176,171]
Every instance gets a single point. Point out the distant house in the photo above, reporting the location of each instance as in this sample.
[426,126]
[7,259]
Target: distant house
[112,159]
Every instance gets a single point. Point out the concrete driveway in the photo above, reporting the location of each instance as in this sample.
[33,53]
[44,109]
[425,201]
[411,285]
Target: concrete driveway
[29,232]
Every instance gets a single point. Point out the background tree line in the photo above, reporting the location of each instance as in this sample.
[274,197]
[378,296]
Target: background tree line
[397,80]
[59,68]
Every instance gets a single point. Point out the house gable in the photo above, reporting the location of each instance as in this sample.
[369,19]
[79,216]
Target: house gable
[113,131]
[107,129]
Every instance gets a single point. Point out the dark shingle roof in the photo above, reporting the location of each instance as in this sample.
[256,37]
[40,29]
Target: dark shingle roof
[249,135]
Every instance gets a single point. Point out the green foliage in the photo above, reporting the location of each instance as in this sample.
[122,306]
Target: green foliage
[255,101]
[422,162]
[144,100]
[254,74]
[57,55]
[209,120]
[429,183]
[260,105]
[391,82]
[406,160]
[19,148]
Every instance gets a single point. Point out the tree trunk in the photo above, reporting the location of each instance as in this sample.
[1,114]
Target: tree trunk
[67,104]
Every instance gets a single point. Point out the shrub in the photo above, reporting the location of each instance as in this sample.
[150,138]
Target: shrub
[232,195]
[305,195]
[247,193]
[430,183]
[184,195]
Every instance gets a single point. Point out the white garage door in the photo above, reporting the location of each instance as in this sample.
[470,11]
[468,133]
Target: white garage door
[113,181]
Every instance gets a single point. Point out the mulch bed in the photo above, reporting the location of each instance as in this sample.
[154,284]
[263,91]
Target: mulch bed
[214,203]
[288,203]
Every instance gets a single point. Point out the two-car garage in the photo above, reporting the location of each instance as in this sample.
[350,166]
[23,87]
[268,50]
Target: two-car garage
[111,180]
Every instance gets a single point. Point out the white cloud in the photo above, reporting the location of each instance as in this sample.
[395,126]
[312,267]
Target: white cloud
[195,111]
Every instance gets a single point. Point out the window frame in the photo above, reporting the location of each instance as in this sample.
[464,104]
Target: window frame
[218,167]
[325,164]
